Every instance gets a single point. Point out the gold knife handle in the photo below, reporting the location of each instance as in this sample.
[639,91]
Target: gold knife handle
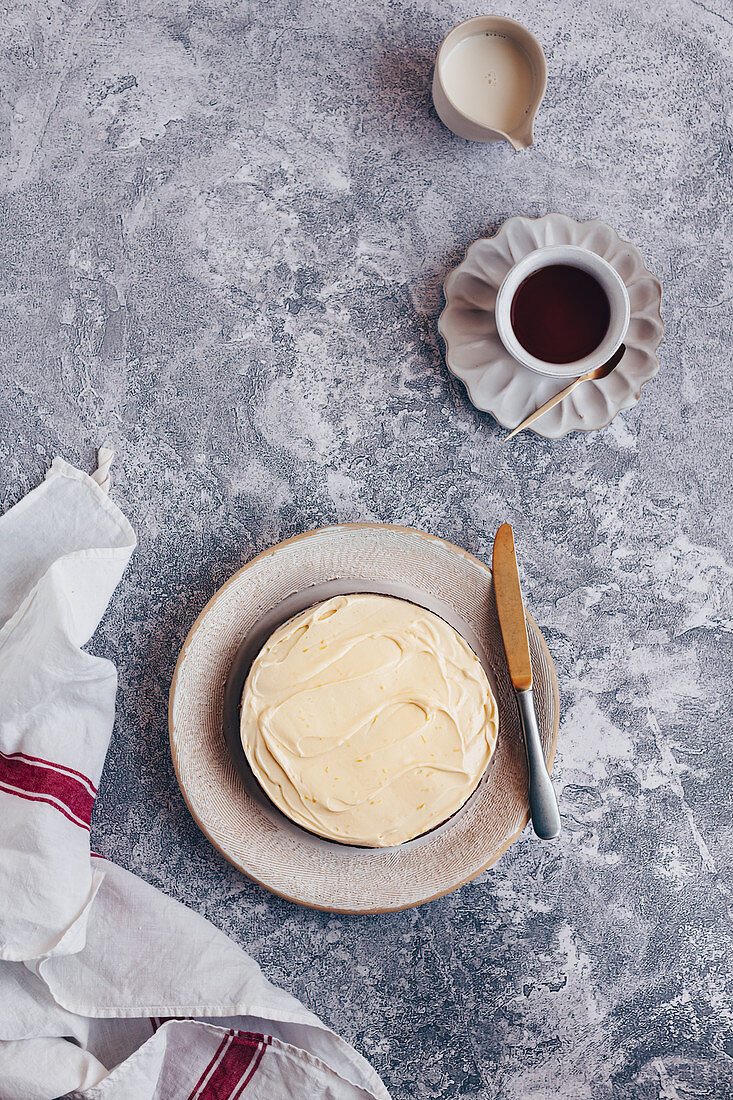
[542,802]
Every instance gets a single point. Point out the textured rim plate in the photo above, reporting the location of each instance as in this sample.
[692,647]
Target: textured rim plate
[255,837]
[495,381]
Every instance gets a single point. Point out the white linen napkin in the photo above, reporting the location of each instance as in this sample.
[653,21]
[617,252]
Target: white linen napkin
[109,989]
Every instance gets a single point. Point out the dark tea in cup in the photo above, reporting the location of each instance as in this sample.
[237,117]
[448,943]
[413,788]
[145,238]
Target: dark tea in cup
[560,313]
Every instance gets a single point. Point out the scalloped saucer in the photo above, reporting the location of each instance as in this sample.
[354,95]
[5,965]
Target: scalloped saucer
[495,381]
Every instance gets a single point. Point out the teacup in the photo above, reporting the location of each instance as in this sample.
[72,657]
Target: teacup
[566,321]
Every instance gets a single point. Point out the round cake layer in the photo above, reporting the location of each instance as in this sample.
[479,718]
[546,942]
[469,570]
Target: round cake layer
[368,720]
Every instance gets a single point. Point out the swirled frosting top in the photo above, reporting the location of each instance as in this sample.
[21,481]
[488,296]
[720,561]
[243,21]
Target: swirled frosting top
[368,720]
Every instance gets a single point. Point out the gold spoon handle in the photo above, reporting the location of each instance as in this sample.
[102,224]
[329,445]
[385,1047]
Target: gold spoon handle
[546,407]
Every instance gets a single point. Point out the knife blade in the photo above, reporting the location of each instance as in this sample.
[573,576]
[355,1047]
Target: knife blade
[511,609]
[542,802]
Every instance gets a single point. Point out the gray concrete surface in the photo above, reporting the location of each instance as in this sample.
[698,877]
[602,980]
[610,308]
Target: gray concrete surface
[224,230]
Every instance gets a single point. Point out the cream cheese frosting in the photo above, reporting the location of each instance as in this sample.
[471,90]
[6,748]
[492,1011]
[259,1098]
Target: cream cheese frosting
[368,720]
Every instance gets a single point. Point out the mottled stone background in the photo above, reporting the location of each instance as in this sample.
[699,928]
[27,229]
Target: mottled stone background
[224,230]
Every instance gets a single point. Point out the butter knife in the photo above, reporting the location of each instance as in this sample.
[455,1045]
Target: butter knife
[542,802]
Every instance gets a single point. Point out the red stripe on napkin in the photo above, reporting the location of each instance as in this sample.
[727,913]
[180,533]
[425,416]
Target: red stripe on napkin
[232,1067]
[50,764]
[253,1069]
[36,780]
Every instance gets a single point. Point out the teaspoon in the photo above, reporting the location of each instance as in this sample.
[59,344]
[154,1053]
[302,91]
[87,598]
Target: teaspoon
[598,372]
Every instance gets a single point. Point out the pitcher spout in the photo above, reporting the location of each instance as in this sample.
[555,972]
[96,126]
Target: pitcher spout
[522,137]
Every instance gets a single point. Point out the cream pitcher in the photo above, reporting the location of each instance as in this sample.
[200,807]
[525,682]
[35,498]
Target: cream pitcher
[489,80]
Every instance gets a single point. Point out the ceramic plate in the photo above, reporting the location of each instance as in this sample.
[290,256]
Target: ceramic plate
[496,382]
[249,831]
